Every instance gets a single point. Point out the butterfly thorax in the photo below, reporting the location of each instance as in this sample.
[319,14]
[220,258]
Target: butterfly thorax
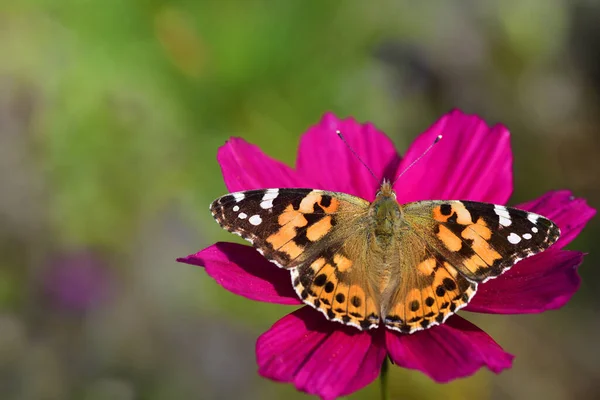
[386,213]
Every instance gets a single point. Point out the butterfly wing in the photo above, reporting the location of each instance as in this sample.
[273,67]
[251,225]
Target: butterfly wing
[293,228]
[448,247]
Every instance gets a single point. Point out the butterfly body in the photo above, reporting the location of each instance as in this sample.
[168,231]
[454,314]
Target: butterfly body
[407,266]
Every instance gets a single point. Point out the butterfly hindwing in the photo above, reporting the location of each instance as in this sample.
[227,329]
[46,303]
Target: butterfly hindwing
[431,291]
[336,281]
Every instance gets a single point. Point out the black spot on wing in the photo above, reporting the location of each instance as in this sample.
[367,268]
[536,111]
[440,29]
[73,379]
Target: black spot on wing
[446,209]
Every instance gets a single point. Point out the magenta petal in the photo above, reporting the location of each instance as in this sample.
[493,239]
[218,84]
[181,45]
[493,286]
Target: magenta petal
[242,270]
[568,212]
[246,167]
[471,162]
[318,356]
[543,282]
[325,162]
[453,350]
[370,366]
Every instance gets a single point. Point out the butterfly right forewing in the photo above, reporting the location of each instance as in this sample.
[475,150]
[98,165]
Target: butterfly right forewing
[480,240]
[450,247]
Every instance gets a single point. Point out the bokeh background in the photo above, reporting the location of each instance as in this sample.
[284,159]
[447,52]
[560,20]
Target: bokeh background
[111,113]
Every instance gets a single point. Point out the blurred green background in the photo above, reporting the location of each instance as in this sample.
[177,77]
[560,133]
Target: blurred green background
[111,113]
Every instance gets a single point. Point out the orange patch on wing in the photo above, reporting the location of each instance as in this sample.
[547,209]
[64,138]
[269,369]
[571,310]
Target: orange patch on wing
[291,249]
[449,239]
[450,268]
[332,207]
[412,299]
[429,292]
[329,271]
[439,278]
[319,229]
[324,269]
[289,220]
[316,197]
[308,203]
[371,308]
[426,267]
[289,215]
[343,263]
[463,216]
[317,265]
[474,263]
[339,308]
[438,216]
[356,299]
[480,228]
[485,255]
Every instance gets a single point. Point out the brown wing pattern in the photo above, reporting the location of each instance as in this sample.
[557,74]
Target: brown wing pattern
[449,247]
[480,240]
[294,229]
[430,290]
[413,279]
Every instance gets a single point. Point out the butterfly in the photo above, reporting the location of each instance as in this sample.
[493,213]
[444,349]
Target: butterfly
[407,266]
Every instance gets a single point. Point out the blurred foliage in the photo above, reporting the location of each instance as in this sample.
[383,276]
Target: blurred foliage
[111,114]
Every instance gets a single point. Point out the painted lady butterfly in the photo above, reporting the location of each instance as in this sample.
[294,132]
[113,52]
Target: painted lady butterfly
[409,266]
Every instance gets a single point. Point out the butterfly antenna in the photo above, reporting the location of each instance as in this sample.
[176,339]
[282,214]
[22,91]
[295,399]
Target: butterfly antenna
[437,139]
[356,155]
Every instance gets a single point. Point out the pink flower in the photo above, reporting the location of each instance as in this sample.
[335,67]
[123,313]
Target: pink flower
[473,162]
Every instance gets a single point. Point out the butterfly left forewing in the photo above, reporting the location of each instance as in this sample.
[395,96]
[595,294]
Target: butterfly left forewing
[285,224]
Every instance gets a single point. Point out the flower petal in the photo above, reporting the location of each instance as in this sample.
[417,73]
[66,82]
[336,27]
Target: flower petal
[318,356]
[453,350]
[242,270]
[543,282]
[568,212]
[371,365]
[325,162]
[471,162]
[246,167]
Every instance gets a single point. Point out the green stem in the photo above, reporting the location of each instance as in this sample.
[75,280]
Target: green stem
[383,379]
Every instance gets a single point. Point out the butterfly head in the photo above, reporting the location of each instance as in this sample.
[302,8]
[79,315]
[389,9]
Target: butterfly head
[386,191]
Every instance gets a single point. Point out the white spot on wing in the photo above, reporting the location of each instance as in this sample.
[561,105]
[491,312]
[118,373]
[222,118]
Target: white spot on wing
[514,238]
[534,230]
[503,215]
[527,236]
[242,215]
[238,196]
[267,200]
[533,218]
[255,220]
[236,208]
